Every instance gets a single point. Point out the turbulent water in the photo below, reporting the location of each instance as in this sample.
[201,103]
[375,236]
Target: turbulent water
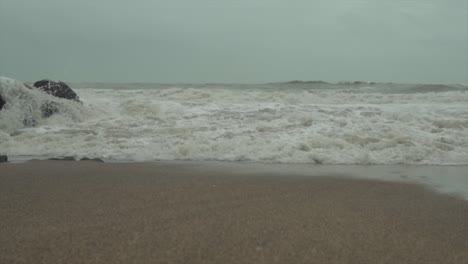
[296,122]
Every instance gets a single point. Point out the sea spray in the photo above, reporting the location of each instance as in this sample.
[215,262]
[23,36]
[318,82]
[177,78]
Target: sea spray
[29,107]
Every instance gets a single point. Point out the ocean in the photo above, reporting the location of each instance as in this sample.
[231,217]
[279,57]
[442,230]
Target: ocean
[292,122]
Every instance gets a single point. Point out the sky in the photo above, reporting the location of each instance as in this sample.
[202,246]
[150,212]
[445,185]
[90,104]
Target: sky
[242,41]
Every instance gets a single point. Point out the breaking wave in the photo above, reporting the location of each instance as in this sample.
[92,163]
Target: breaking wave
[24,107]
[289,123]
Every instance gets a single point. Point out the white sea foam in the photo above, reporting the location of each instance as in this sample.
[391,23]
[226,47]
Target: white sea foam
[288,123]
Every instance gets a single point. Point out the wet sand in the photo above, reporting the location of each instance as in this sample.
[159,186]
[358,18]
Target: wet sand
[89,212]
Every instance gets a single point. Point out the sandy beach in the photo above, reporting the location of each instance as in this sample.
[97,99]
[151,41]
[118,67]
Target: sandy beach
[90,212]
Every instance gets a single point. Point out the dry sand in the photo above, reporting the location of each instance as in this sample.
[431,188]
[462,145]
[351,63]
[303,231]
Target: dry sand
[87,212]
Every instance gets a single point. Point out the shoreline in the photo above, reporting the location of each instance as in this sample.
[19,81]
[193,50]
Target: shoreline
[91,212]
[453,182]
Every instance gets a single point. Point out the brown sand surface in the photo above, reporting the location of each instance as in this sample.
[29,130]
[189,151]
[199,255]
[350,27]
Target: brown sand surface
[87,212]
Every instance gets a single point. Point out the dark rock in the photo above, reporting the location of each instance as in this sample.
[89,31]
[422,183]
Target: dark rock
[3,158]
[29,122]
[13,92]
[2,102]
[57,89]
[64,158]
[49,108]
[95,159]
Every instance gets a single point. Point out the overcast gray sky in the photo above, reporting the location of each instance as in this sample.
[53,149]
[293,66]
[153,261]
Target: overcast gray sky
[235,40]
